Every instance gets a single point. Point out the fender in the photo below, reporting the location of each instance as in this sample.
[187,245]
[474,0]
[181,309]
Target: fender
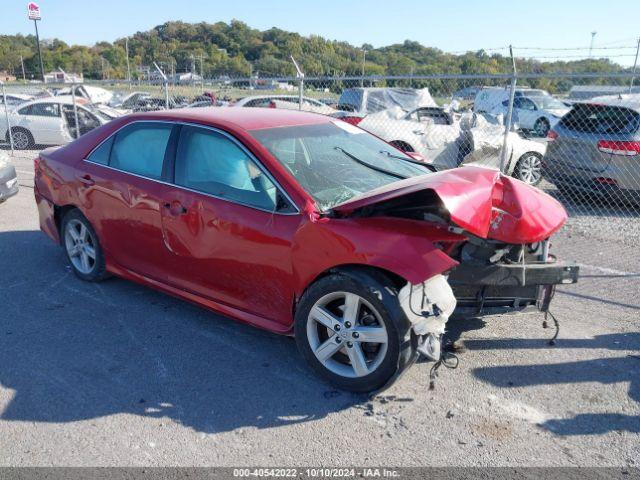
[403,247]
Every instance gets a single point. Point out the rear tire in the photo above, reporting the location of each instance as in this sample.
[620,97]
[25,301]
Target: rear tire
[335,318]
[529,168]
[82,247]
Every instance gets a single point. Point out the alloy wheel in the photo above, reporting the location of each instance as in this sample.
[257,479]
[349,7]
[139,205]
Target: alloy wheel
[530,169]
[80,246]
[347,334]
[20,139]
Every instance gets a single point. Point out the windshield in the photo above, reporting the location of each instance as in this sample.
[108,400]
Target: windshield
[547,102]
[335,162]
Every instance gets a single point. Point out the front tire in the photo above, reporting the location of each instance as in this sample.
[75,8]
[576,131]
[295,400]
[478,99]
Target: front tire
[22,138]
[350,329]
[541,127]
[82,247]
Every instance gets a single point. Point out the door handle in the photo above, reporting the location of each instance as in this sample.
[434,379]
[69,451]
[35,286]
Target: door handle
[175,208]
[86,179]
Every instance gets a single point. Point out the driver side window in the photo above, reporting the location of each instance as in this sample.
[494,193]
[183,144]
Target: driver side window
[209,162]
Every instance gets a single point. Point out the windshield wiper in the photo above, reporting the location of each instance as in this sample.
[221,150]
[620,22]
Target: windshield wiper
[372,167]
[406,159]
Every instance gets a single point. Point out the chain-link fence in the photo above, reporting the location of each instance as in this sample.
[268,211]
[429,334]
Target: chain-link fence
[577,137]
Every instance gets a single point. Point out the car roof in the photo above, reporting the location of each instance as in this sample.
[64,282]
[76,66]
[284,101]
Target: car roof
[631,100]
[244,118]
[62,99]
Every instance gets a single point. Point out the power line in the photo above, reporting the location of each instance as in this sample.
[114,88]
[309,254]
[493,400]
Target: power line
[574,48]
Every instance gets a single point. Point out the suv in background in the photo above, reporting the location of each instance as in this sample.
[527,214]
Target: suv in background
[596,148]
[533,109]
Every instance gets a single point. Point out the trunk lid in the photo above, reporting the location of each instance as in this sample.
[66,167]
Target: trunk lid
[479,200]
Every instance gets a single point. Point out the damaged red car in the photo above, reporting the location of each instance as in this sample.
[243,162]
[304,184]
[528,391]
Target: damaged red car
[302,225]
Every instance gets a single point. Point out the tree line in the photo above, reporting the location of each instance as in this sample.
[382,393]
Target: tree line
[236,50]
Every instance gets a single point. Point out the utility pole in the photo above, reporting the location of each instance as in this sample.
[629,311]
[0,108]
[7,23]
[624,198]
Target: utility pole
[102,66]
[202,71]
[593,36]
[635,64]
[24,77]
[126,48]
[364,59]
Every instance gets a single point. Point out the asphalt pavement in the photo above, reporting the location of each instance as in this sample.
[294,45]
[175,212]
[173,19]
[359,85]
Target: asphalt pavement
[119,374]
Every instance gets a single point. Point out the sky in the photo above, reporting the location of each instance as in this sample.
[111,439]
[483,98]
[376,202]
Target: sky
[452,26]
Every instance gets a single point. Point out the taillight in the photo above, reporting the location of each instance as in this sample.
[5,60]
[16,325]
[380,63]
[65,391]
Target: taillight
[352,120]
[614,147]
[272,104]
[36,164]
[552,135]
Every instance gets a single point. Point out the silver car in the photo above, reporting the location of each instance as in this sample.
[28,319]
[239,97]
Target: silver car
[8,179]
[596,148]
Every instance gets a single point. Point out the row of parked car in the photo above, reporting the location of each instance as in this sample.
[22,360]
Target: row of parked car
[590,145]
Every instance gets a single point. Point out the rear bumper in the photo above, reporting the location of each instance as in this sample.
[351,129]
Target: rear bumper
[46,213]
[611,182]
[501,288]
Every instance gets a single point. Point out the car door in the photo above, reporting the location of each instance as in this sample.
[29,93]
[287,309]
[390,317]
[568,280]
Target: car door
[44,121]
[228,229]
[121,188]
[526,112]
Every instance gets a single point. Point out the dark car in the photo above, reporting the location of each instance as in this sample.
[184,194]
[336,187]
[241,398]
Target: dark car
[302,225]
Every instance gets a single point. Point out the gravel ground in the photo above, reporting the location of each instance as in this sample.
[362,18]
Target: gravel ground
[118,374]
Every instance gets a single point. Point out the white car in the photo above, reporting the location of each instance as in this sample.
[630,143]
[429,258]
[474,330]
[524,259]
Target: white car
[49,121]
[533,109]
[447,142]
[14,99]
[89,93]
[290,102]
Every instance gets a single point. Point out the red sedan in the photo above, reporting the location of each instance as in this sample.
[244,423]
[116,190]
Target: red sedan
[303,225]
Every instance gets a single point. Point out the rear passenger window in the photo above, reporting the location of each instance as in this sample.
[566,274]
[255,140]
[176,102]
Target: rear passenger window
[211,163]
[140,149]
[101,154]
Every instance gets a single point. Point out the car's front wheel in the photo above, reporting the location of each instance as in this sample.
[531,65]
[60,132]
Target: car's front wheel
[22,138]
[82,247]
[352,332]
[541,127]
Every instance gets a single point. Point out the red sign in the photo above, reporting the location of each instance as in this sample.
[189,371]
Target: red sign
[33,11]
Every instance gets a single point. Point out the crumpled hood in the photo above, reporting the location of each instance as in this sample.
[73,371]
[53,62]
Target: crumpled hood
[481,201]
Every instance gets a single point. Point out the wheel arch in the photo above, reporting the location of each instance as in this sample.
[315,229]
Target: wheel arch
[357,271]
[58,214]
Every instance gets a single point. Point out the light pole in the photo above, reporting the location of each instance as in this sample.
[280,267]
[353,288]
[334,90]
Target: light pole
[33,13]
[364,59]
[635,64]
[593,36]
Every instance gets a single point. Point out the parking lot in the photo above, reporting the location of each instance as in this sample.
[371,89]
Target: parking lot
[118,374]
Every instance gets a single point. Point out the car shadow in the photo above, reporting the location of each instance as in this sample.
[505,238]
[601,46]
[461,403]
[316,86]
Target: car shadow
[606,371]
[71,351]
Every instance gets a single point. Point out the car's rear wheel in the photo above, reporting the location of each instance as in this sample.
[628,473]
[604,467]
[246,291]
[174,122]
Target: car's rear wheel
[22,138]
[82,247]
[541,127]
[352,331]
[529,168]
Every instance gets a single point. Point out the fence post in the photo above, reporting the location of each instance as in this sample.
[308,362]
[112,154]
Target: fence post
[6,116]
[166,85]
[75,109]
[504,154]
[300,76]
